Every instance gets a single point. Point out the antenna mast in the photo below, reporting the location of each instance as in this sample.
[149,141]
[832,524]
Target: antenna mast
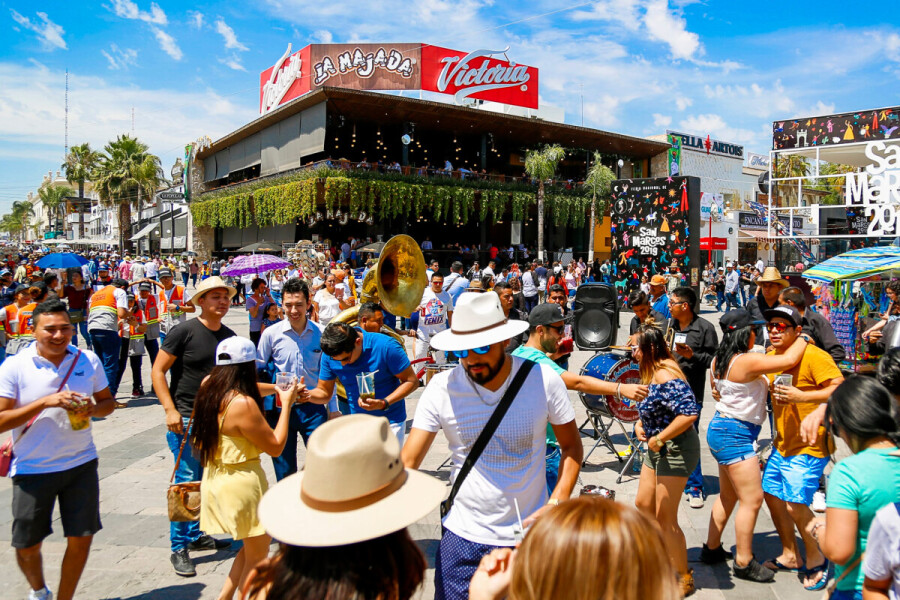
[67,113]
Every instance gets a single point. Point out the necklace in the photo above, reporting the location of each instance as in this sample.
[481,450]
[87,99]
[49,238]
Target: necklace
[500,392]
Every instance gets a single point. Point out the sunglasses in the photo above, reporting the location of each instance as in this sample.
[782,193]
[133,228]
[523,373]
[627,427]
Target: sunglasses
[556,328]
[464,353]
[777,327]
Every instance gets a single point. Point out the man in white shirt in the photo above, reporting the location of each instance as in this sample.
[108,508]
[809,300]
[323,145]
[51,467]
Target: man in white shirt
[732,281]
[461,401]
[760,265]
[489,270]
[151,269]
[53,461]
[435,312]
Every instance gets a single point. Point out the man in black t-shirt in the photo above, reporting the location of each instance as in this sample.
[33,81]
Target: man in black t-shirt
[189,352]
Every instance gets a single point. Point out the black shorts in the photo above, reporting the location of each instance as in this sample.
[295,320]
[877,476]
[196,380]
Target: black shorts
[34,496]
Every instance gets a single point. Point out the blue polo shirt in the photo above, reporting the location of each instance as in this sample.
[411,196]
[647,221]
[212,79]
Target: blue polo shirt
[379,353]
[662,306]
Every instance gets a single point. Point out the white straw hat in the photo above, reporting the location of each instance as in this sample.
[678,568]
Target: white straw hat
[353,488]
[478,320]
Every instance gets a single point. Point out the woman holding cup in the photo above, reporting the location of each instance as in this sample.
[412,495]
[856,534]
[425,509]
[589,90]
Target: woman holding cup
[228,435]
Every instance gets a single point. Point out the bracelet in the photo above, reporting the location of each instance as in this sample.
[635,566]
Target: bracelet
[814,529]
[386,403]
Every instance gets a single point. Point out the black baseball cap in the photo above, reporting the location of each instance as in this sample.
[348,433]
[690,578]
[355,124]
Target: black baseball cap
[145,286]
[546,314]
[165,273]
[737,319]
[785,311]
[120,283]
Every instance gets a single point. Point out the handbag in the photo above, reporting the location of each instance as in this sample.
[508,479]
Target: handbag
[183,499]
[487,433]
[6,450]
[76,315]
[137,346]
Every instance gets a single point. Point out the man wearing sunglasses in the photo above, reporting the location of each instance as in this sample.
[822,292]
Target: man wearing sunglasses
[508,477]
[435,312]
[793,470]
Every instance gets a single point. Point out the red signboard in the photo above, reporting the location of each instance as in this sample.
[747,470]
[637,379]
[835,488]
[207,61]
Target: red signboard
[286,80]
[478,75]
[717,243]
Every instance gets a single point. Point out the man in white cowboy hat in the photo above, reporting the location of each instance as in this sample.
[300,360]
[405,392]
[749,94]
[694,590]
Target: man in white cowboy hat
[461,402]
[189,352]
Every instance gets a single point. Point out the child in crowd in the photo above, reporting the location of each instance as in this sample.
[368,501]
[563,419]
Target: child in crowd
[273,315]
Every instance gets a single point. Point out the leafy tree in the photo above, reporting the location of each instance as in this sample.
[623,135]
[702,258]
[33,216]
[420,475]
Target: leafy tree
[54,198]
[22,211]
[598,181]
[125,174]
[541,165]
[81,161]
[833,182]
[790,165]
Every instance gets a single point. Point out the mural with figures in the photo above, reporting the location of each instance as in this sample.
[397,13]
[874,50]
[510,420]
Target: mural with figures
[863,126]
[656,224]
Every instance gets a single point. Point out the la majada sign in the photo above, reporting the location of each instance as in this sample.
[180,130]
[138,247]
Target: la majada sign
[480,75]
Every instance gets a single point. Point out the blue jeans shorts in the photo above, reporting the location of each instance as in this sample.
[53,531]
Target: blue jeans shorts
[731,440]
[793,478]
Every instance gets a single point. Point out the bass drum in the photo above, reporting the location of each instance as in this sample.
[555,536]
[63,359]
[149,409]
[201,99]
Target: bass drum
[617,369]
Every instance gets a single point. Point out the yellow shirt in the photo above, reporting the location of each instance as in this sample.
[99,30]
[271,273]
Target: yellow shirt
[814,372]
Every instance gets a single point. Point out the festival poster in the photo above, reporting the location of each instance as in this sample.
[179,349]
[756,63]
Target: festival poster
[845,128]
[674,155]
[655,224]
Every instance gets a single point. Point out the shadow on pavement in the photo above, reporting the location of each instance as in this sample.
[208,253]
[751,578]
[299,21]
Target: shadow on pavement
[189,591]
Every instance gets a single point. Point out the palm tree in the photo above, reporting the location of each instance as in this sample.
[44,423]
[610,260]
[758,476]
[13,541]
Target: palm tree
[541,165]
[80,163]
[22,211]
[791,165]
[54,198]
[598,181]
[125,173]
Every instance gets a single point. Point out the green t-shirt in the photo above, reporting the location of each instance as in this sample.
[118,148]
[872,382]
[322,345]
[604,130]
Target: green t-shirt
[864,482]
[535,355]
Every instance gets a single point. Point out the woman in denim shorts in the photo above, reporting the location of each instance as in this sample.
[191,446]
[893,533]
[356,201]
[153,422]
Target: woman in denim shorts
[740,388]
[666,423]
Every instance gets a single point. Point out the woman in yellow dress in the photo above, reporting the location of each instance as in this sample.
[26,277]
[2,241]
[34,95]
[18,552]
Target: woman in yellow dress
[229,433]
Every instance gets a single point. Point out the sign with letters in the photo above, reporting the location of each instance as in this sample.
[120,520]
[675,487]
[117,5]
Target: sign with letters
[479,75]
[877,189]
[698,144]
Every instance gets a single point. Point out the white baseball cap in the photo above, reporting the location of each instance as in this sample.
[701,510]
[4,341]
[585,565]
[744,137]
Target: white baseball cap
[234,351]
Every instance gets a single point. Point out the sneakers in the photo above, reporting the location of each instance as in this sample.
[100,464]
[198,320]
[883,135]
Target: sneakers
[183,564]
[208,542]
[695,498]
[43,594]
[714,556]
[137,393]
[754,571]
[818,503]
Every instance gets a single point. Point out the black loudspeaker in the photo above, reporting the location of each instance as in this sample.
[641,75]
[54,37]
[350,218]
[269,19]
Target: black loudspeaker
[596,316]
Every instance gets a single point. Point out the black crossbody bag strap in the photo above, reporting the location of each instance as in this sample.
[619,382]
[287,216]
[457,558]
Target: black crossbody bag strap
[487,433]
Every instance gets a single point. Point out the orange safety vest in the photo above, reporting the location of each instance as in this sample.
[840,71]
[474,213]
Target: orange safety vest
[26,321]
[11,324]
[152,310]
[105,300]
[133,332]
[177,296]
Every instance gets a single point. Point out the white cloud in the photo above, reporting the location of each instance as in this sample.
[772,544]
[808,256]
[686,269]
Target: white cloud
[229,36]
[50,34]
[661,120]
[323,36]
[120,58]
[892,47]
[682,102]
[167,43]
[623,12]
[233,62]
[666,26]
[196,19]
[754,99]
[129,10]
[715,126]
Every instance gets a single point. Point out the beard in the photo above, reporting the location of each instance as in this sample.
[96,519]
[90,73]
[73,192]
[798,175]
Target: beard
[549,345]
[487,375]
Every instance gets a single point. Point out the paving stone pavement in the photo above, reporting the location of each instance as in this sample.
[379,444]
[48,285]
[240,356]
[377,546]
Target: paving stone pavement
[130,556]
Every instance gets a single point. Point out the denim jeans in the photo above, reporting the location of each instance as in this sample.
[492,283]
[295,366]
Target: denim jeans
[551,466]
[720,300]
[695,480]
[84,332]
[189,469]
[733,301]
[107,345]
[530,303]
[305,418]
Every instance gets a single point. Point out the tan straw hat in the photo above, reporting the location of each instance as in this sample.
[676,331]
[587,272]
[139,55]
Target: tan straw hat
[773,275]
[353,488]
[659,280]
[478,320]
[212,283]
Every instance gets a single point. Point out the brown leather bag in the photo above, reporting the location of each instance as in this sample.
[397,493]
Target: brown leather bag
[183,499]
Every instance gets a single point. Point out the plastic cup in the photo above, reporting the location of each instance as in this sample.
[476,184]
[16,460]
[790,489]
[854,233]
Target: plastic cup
[785,380]
[366,383]
[283,381]
[77,419]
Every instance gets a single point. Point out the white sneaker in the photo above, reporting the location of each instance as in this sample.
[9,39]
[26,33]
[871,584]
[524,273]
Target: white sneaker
[44,594]
[818,503]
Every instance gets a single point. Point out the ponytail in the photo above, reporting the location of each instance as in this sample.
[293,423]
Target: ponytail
[862,408]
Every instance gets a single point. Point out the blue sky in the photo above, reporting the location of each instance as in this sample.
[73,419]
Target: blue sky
[723,68]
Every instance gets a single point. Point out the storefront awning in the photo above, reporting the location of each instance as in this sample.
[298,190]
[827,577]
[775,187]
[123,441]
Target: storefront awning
[749,235]
[144,232]
[856,264]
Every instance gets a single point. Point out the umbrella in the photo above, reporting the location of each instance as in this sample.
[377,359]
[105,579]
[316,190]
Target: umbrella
[255,263]
[189,253]
[856,264]
[263,246]
[373,247]
[61,260]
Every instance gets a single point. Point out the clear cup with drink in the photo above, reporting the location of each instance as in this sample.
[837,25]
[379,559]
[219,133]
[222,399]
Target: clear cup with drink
[76,410]
[283,381]
[366,383]
[783,380]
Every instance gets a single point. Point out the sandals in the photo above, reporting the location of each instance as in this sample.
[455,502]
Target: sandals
[778,567]
[822,583]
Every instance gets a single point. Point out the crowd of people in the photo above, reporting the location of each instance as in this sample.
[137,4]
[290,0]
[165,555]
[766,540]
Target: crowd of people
[509,525]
